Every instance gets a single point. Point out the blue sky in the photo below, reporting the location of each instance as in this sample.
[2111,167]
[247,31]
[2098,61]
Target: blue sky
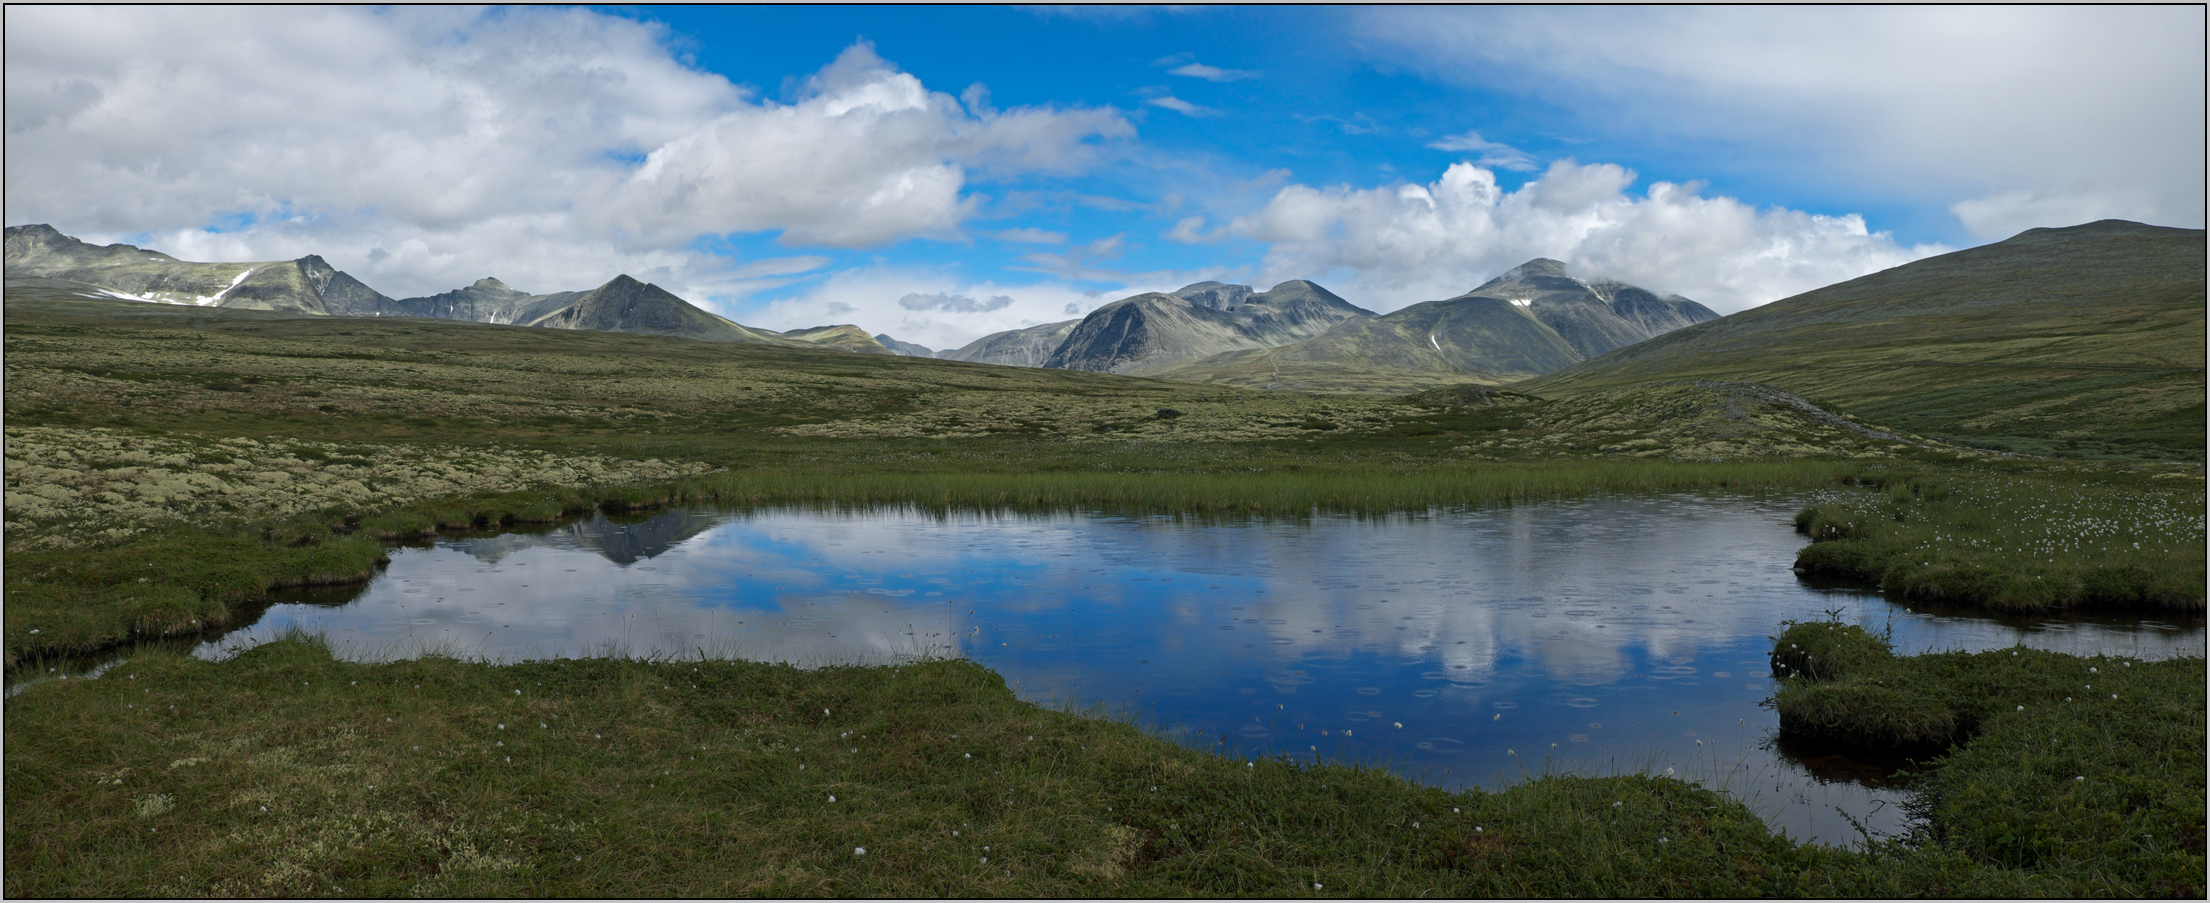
[942,172]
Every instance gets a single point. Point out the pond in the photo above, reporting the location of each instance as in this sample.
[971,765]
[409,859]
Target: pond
[1459,648]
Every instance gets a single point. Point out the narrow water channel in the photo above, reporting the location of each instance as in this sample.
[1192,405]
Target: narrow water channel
[1458,648]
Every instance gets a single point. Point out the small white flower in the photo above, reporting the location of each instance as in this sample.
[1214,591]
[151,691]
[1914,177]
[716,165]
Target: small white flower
[1661,840]
[2079,777]
[859,851]
[832,797]
[2021,708]
[1476,829]
[1400,725]
[985,859]
[1315,885]
[502,727]
[966,755]
[1668,772]
[517,692]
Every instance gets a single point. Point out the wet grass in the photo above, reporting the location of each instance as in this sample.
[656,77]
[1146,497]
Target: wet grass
[2087,769]
[283,772]
[2017,539]
[112,792]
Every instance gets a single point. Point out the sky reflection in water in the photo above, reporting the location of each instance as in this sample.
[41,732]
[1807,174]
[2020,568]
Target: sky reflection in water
[1596,636]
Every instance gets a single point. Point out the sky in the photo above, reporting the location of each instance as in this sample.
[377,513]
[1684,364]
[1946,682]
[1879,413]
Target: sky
[940,173]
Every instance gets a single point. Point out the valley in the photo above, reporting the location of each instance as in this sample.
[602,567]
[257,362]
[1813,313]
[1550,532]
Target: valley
[170,465]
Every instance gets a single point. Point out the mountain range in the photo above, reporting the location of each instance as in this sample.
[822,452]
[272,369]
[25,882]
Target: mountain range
[1529,321]
[40,258]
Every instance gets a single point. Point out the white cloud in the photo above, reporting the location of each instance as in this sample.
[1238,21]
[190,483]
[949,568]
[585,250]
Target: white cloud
[946,301]
[1189,230]
[1993,104]
[1501,156]
[1028,236]
[2008,213]
[1212,73]
[1181,106]
[935,309]
[420,144]
[1387,247]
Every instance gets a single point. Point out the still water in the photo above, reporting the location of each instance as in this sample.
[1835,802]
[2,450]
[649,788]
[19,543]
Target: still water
[1460,648]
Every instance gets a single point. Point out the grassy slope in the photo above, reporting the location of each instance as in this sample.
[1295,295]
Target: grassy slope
[2087,340]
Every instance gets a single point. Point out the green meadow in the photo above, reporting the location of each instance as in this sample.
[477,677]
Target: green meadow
[166,467]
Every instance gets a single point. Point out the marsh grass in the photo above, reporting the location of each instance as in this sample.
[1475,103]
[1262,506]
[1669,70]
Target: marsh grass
[282,771]
[2089,768]
[2017,540]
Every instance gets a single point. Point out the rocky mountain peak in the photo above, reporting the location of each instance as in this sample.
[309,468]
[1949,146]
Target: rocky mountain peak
[1215,295]
[490,283]
[1540,266]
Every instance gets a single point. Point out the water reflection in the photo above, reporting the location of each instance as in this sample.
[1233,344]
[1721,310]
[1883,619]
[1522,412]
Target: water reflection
[1460,648]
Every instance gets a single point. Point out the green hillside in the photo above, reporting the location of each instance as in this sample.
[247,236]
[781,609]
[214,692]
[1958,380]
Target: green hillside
[2079,341]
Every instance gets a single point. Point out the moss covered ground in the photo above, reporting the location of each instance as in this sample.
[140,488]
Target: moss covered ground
[167,465]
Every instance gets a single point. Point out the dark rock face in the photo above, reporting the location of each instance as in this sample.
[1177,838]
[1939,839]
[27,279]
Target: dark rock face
[1155,332]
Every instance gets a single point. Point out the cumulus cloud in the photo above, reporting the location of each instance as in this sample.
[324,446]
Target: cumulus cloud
[1501,156]
[946,301]
[946,310]
[1388,247]
[2017,114]
[419,147]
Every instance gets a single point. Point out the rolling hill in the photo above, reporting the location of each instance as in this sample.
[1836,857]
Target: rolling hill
[2080,340]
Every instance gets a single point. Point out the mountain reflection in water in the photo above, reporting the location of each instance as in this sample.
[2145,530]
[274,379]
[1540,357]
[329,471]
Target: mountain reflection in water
[1463,647]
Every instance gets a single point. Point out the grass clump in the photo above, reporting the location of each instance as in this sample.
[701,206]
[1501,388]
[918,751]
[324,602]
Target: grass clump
[2089,769]
[2019,540]
[283,772]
